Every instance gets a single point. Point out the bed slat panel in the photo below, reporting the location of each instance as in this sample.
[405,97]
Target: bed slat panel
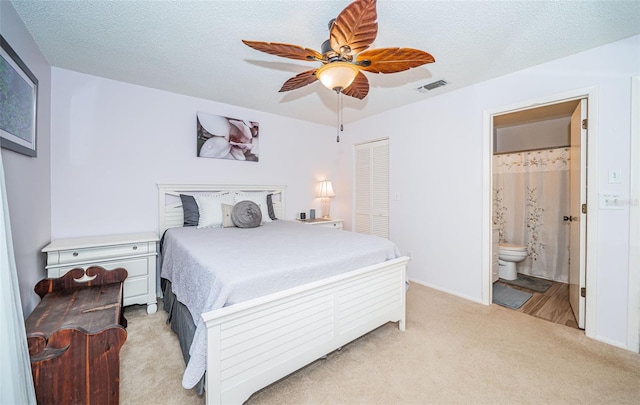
[244,366]
[274,338]
[356,315]
[250,346]
[270,317]
[350,306]
[368,298]
[356,289]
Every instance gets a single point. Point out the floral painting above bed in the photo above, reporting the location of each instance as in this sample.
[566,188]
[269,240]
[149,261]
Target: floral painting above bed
[226,138]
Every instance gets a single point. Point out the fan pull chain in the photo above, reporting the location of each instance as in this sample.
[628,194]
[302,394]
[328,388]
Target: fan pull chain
[339,126]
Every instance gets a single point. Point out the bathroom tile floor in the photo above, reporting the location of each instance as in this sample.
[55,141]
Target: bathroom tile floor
[551,305]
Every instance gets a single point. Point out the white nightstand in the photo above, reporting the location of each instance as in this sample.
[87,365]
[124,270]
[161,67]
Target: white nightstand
[324,222]
[134,252]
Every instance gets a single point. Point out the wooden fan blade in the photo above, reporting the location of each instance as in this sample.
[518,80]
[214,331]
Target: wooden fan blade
[355,27]
[300,80]
[359,88]
[392,60]
[285,50]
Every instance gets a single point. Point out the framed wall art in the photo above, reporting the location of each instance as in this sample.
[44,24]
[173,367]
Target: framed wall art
[226,138]
[18,103]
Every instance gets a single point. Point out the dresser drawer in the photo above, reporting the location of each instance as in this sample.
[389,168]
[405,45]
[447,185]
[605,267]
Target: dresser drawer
[133,289]
[136,282]
[96,253]
[134,267]
[335,225]
[134,252]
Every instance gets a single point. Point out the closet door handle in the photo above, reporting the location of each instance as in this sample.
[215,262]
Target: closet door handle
[569,218]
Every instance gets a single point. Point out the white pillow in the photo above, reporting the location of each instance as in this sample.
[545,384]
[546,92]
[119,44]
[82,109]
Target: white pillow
[210,208]
[227,222]
[258,197]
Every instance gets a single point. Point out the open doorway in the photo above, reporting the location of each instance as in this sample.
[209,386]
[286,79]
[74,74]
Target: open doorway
[558,111]
[537,173]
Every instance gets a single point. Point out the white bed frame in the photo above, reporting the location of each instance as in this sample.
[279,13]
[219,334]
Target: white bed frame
[255,343]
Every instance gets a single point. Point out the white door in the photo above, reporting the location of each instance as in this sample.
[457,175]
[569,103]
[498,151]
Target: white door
[577,218]
[372,188]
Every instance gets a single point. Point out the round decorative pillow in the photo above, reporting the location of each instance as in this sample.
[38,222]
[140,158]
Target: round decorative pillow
[246,214]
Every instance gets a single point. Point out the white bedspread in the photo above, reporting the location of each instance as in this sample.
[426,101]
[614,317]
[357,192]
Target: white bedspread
[216,267]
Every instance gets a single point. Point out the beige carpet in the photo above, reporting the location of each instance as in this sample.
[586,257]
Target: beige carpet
[453,352]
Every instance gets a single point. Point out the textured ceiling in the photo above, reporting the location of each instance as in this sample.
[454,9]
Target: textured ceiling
[195,48]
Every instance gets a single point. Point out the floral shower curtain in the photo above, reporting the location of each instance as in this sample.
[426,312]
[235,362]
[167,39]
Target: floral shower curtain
[530,197]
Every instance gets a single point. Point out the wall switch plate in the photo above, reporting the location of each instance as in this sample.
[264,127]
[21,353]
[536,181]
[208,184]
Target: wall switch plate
[615,176]
[611,202]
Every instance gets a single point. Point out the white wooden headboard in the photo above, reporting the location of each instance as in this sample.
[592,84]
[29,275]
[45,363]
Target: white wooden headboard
[170,214]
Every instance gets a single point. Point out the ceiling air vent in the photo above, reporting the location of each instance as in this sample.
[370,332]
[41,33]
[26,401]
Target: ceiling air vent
[431,86]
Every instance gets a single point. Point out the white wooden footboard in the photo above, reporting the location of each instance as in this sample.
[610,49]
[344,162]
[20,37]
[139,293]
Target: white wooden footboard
[255,343]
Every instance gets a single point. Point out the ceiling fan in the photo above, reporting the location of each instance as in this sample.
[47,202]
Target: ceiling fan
[345,55]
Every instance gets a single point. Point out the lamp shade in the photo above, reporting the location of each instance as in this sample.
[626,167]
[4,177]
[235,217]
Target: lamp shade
[326,189]
[337,75]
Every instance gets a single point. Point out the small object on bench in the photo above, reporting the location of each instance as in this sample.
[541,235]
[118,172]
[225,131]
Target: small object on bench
[75,334]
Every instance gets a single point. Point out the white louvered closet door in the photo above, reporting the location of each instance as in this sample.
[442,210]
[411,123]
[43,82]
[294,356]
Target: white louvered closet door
[372,188]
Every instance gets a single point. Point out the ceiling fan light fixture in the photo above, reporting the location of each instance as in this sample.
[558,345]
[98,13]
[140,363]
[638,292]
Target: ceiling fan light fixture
[346,55]
[337,75]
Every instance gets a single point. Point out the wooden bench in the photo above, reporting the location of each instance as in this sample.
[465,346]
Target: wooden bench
[75,335]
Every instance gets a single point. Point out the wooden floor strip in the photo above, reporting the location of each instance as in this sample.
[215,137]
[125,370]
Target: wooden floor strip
[551,305]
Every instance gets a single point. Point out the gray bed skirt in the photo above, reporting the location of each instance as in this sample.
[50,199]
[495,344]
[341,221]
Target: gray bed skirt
[181,323]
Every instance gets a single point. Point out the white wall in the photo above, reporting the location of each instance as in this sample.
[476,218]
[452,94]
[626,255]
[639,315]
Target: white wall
[544,134]
[112,142]
[436,160]
[28,180]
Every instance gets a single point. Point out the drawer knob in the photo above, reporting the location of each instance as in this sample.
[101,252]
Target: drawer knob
[135,248]
[75,254]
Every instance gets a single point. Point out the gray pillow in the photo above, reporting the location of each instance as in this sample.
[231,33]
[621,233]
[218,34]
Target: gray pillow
[246,214]
[190,209]
[272,214]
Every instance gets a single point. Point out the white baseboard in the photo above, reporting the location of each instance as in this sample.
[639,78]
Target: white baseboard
[435,287]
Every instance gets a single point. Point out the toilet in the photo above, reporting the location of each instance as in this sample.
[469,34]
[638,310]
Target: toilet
[508,256]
